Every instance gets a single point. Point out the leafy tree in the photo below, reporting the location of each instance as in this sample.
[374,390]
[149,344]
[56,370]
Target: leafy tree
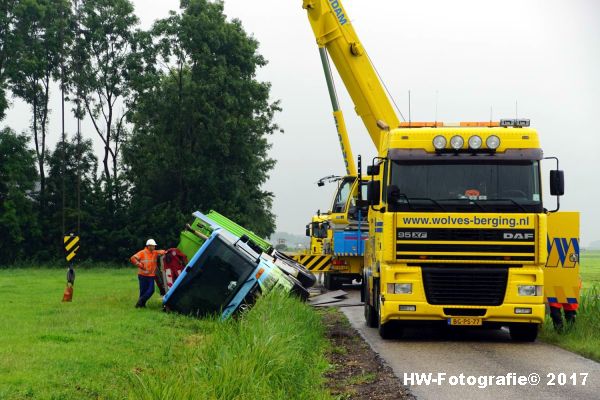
[101,58]
[281,247]
[17,180]
[7,22]
[40,35]
[199,138]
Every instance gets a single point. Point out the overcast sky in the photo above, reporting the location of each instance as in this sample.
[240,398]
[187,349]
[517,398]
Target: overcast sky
[543,54]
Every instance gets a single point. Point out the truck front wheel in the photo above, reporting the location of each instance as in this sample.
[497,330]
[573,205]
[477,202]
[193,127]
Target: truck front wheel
[523,332]
[389,330]
[370,315]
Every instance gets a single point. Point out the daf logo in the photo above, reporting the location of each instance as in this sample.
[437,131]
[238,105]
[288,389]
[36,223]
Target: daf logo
[412,235]
[517,236]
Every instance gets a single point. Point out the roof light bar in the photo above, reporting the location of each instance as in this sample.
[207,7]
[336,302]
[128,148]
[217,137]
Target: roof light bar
[457,142]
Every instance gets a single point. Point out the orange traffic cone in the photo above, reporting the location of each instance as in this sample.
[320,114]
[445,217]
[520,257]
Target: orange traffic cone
[68,294]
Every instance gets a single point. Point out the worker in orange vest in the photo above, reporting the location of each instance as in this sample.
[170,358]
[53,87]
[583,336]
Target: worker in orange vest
[146,261]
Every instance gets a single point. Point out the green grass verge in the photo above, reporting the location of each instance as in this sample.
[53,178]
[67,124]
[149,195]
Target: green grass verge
[100,347]
[583,337]
[590,267]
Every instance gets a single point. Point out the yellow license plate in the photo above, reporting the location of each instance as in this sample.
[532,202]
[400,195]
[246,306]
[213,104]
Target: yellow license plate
[466,321]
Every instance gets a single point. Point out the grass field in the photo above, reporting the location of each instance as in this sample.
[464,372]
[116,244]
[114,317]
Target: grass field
[101,347]
[590,267]
[583,337]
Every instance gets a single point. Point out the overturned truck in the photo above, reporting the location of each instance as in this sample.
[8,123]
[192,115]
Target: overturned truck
[229,268]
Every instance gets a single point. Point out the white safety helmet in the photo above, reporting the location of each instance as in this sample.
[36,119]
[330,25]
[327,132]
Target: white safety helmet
[150,242]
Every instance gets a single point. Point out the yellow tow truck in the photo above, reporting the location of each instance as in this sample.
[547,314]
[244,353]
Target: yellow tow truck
[458,230]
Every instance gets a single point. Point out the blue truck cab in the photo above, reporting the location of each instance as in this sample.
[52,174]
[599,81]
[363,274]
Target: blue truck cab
[224,275]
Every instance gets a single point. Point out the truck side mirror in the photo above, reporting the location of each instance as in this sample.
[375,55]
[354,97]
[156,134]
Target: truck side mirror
[373,170]
[373,191]
[557,182]
[393,194]
[307,230]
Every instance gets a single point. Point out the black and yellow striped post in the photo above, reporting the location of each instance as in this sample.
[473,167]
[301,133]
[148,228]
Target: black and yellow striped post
[315,262]
[71,245]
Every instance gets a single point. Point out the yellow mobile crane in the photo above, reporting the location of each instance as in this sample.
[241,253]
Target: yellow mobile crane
[458,233]
[337,238]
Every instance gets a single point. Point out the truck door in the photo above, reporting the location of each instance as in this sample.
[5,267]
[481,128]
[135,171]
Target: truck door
[561,273]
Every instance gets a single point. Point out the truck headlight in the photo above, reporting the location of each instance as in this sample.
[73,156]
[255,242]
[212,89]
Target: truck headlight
[457,142]
[530,290]
[399,288]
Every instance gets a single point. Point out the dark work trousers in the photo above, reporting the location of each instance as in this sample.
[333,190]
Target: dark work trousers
[146,289]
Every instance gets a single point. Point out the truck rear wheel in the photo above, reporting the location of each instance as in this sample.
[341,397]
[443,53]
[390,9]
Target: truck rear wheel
[306,278]
[298,289]
[523,332]
[331,283]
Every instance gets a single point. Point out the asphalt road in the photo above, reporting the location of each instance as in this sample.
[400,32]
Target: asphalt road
[475,354]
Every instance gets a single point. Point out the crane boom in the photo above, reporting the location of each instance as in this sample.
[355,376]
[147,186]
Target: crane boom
[338,116]
[334,32]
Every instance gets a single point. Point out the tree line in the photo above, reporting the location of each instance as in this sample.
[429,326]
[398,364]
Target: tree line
[181,117]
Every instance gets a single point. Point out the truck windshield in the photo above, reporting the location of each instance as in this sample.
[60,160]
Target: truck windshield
[319,230]
[212,282]
[485,186]
[341,197]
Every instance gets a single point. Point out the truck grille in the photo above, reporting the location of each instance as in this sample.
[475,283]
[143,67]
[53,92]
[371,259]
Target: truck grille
[469,285]
[485,245]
